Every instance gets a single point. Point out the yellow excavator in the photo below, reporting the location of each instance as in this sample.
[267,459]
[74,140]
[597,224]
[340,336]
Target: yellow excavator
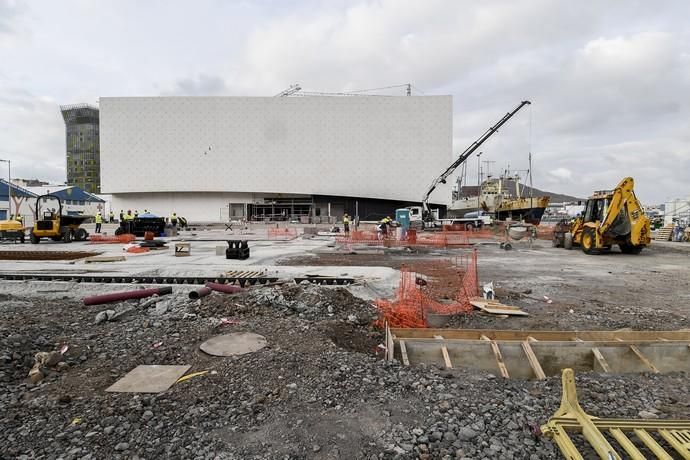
[611,217]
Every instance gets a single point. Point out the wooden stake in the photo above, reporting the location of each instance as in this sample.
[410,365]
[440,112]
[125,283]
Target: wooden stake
[533,361]
[444,351]
[600,359]
[644,359]
[499,357]
[403,352]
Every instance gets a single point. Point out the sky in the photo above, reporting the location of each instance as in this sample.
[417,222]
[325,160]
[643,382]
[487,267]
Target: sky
[609,81]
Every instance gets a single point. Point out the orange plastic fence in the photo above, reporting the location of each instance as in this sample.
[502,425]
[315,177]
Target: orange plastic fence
[412,302]
[137,250]
[282,233]
[413,239]
[112,239]
[545,232]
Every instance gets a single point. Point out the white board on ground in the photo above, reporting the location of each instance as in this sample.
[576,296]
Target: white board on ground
[148,379]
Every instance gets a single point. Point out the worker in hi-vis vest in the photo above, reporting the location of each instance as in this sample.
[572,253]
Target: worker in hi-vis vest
[99,221]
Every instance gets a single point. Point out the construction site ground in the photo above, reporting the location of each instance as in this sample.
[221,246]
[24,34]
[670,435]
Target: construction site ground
[321,388]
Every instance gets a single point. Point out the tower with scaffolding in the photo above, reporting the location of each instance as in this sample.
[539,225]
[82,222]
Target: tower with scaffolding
[83,146]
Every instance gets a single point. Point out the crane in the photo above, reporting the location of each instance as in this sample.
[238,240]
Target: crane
[427,216]
[292,89]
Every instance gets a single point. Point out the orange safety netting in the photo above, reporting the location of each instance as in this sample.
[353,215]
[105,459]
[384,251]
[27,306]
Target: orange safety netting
[282,233]
[414,299]
[137,250]
[545,232]
[112,239]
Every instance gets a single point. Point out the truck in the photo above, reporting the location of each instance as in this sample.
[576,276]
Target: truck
[611,217]
[470,221]
[52,223]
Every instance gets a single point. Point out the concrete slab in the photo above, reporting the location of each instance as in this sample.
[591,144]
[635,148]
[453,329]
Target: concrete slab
[237,343]
[148,379]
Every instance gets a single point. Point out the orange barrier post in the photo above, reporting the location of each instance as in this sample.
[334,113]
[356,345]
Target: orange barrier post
[114,239]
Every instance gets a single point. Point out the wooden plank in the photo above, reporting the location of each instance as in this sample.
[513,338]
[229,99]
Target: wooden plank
[444,352]
[403,352]
[577,339]
[600,359]
[496,308]
[104,259]
[390,344]
[533,361]
[499,357]
[644,359]
[520,335]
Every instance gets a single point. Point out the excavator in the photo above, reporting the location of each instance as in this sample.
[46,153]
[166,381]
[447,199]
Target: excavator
[611,217]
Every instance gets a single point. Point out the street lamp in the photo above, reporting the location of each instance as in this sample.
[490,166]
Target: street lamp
[9,187]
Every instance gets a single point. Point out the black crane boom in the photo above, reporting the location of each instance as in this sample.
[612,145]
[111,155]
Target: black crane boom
[465,155]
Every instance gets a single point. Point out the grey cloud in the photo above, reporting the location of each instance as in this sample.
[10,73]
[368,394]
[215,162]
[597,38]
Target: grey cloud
[203,85]
[9,10]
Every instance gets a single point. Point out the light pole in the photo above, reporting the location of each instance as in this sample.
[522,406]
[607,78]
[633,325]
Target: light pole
[479,183]
[9,187]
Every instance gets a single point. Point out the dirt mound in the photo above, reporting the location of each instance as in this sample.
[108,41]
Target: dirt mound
[312,302]
[352,338]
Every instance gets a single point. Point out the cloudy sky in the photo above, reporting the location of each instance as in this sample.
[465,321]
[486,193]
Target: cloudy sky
[609,81]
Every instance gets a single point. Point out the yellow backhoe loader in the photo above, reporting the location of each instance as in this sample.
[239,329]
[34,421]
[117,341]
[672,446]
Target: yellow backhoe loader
[611,217]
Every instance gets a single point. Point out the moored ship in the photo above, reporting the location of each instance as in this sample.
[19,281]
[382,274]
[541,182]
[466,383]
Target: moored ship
[495,197]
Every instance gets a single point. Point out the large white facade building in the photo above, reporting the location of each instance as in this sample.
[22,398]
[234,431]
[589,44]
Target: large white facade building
[207,158]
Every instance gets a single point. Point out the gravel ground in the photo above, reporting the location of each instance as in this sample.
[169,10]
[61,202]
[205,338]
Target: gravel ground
[319,390]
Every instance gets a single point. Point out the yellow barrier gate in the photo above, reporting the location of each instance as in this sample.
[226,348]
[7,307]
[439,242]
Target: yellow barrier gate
[571,418]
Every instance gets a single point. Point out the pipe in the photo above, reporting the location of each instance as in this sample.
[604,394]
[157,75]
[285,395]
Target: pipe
[227,288]
[117,296]
[202,292]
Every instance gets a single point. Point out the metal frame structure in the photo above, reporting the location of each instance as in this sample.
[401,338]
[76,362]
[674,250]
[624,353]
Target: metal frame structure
[570,418]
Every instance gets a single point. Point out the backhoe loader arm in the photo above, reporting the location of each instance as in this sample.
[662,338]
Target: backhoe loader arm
[623,194]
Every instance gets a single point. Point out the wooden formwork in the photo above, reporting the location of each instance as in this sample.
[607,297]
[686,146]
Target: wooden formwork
[539,354]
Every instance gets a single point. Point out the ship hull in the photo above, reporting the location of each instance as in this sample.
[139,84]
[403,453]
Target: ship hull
[530,215]
[531,210]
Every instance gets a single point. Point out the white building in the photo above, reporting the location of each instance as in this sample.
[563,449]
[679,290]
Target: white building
[677,211]
[214,158]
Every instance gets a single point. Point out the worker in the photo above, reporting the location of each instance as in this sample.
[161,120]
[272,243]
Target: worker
[346,223]
[99,221]
[128,221]
[173,219]
[136,213]
[112,217]
[385,223]
[122,215]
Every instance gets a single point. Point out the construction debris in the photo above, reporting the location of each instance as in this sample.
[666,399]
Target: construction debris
[119,296]
[496,308]
[148,379]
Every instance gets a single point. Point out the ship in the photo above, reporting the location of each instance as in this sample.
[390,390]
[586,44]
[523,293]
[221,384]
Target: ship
[496,198]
